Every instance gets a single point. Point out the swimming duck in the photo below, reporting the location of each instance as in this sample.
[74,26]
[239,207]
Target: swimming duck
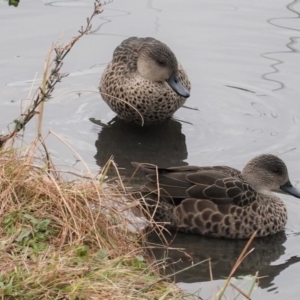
[220,201]
[144,83]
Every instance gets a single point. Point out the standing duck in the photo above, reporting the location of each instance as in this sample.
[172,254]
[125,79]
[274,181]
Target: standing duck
[220,201]
[144,83]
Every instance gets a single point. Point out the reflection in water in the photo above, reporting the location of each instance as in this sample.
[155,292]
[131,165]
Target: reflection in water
[290,45]
[156,22]
[107,19]
[223,254]
[240,88]
[162,144]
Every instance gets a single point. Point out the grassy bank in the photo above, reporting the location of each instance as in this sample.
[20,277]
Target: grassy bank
[62,239]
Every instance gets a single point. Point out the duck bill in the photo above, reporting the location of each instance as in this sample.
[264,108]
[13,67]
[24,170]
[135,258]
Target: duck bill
[288,188]
[178,88]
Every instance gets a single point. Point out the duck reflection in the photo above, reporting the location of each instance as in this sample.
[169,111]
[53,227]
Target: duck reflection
[161,144]
[223,254]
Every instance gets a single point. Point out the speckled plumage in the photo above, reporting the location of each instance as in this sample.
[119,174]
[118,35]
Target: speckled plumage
[122,83]
[220,201]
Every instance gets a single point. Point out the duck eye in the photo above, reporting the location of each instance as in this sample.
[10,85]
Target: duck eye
[275,170]
[161,62]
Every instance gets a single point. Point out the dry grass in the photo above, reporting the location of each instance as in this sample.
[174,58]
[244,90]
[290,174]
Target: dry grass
[64,239]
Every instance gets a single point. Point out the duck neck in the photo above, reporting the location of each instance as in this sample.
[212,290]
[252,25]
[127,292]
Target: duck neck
[253,179]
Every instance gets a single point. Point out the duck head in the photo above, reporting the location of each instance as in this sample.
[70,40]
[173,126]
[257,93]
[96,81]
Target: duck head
[156,62]
[266,173]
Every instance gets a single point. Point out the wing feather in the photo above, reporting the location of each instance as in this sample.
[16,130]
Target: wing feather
[220,185]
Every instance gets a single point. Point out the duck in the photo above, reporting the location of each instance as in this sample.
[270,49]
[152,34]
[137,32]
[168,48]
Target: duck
[219,201]
[144,83]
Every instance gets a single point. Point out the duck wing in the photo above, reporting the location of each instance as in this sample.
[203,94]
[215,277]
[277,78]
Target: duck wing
[214,186]
[219,184]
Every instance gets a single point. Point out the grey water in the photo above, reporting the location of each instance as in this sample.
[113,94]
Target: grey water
[243,60]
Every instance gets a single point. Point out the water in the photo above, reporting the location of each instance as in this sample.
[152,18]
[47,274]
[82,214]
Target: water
[242,58]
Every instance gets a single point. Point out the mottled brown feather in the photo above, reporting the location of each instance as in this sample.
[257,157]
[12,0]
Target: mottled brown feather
[126,91]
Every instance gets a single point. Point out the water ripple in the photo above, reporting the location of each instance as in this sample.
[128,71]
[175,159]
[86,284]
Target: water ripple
[289,45]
